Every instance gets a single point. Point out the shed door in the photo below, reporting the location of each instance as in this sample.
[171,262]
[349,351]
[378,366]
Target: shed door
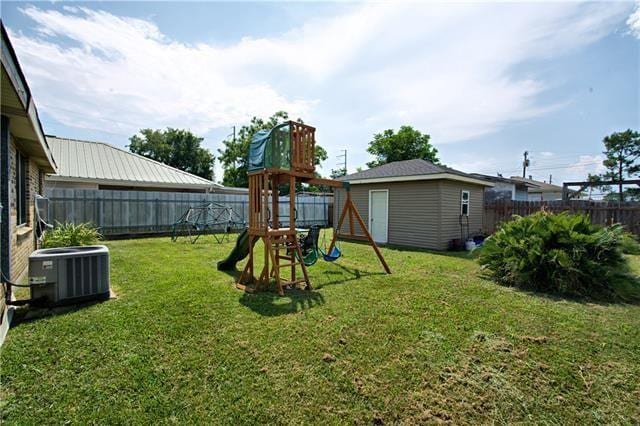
[379,214]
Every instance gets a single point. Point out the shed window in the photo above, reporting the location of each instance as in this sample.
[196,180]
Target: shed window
[21,188]
[464,203]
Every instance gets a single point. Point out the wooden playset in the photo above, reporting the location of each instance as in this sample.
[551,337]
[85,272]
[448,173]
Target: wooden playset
[285,155]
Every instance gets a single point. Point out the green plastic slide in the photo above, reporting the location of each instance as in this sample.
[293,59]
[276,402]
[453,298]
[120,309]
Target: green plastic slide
[239,252]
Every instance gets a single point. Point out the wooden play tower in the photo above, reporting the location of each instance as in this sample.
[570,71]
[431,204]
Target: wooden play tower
[285,155]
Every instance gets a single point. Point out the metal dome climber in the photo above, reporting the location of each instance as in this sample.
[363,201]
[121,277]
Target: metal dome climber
[207,218]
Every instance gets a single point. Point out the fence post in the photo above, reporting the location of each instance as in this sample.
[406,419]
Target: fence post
[157,211]
[100,223]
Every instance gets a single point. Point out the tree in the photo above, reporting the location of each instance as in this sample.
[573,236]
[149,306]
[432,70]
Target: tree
[336,173]
[407,144]
[622,151]
[234,157]
[175,147]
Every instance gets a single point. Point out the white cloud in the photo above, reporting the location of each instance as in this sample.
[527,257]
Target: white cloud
[546,154]
[634,21]
[586,164]
[446,68]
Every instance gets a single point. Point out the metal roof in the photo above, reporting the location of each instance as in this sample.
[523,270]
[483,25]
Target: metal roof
[411,169]
[80,160]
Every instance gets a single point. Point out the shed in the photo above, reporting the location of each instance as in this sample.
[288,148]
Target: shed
[416,203]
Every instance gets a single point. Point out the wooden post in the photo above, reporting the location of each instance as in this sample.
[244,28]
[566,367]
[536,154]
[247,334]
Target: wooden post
[292,223]
[373,243]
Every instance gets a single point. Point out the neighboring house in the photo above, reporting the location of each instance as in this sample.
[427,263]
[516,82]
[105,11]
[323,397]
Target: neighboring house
[25,157]
[416,203]
[504,189]
[541,191]
[98,165]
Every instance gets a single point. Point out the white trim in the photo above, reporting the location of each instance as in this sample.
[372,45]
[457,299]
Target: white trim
[434,176]
[468,202]
[386,230]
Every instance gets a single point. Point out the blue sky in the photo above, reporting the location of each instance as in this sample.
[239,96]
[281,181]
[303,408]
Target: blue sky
[486,80]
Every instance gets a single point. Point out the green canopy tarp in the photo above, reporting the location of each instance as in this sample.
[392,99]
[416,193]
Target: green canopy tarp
[271,148]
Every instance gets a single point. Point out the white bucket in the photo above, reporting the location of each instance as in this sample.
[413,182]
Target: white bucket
[469,245]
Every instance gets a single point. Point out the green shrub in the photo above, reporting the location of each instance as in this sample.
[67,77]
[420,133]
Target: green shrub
[630,244]
[69,235]
[557,253]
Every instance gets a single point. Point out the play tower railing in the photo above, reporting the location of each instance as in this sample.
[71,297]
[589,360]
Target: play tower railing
[303,144]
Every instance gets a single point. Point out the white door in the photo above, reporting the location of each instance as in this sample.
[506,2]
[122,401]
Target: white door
[379,214]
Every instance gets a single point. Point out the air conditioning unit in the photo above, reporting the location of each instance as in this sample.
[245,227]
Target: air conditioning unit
[59,276]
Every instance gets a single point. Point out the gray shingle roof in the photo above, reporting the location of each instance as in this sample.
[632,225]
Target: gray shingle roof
[416,167]
[99,161]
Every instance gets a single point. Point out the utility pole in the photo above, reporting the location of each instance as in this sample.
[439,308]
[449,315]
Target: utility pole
[550,179]
[234,141]
[344,163]
[525,164]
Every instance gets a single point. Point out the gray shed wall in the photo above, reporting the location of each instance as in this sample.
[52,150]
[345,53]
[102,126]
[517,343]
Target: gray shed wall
[450,193]
[421,213]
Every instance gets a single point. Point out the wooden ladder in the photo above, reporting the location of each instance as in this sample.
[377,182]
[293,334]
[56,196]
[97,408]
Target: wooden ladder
[287,243]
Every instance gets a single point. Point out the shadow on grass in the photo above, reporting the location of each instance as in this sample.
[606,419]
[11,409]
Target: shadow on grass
[351,275]
[271,304]
[27,314]
[446,253]
[624,288]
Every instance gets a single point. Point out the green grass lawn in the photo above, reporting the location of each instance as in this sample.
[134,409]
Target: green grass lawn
[432,342]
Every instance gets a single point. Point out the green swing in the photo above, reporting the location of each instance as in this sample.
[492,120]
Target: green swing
[309,259]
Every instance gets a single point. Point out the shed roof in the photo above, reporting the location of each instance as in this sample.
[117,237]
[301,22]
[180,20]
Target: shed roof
[416,169]
[89,161]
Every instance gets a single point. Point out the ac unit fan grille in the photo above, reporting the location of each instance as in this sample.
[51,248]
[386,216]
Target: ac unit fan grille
[82,276]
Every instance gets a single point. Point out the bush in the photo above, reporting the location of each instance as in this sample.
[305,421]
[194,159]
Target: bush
[630,244]
[557,253]
[69,235]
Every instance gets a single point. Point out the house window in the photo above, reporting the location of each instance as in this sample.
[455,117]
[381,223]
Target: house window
[464,203]
[21,188]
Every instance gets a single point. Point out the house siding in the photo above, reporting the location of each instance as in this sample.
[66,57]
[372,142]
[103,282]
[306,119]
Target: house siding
[450,193]
[414,212]
[422,214]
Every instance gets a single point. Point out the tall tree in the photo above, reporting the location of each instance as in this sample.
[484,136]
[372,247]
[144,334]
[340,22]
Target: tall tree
[234,157]
[407,144]
[336,173]
[175,147]
[622,151]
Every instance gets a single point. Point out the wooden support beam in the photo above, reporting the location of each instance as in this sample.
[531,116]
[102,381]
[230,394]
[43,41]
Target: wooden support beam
[368,235]
[326,182]
[349,206]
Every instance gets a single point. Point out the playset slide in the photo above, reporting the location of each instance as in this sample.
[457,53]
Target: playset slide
[239,252]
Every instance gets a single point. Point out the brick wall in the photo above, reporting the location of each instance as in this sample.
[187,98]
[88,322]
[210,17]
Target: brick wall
[22,240]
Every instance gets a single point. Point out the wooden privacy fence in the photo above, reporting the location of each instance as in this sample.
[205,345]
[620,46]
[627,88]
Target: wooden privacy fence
[118,212]
[600,212]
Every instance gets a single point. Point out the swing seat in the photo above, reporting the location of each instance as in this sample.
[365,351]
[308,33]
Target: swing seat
[333,256]
[308,259]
